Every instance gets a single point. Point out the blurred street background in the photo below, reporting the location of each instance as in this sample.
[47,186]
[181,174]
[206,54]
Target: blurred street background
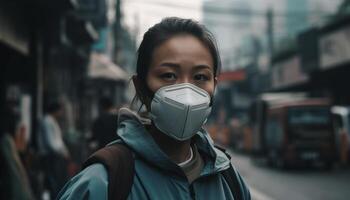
[282,105]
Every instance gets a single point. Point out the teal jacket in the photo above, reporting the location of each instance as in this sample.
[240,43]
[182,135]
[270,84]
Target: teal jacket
[156,176]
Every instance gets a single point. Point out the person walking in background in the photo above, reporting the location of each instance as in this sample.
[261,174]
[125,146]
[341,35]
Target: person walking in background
[14,183]
[52,149]
[104,128]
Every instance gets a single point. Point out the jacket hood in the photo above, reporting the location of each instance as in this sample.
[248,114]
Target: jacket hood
[133,133]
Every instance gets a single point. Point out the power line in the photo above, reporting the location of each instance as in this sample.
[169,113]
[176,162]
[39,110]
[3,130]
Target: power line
[237,11]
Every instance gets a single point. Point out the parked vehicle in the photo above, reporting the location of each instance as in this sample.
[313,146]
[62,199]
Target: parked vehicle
[220,134]
[241,135]
[341,121]
[292,129]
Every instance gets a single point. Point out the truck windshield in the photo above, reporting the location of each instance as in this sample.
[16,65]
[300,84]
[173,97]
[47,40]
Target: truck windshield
[308,116]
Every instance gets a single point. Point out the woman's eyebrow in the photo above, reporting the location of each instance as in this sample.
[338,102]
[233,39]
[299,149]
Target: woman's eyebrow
[199,67]
[167,64]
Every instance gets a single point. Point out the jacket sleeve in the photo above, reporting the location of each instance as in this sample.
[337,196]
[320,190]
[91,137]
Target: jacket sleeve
[91,183]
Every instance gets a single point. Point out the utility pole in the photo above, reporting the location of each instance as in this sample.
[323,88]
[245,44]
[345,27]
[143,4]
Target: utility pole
[270,42]
[118,13]
[117,31]
[270,31]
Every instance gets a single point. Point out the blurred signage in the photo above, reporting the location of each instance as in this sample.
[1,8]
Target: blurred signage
[287,73]
[238,75]
[335,48]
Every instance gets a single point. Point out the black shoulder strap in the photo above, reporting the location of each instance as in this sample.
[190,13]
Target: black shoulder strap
[234,181]
[119,162]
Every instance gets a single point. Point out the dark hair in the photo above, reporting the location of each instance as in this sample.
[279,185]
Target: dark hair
[53,107]
[166,29]
[11,121]
[170,27]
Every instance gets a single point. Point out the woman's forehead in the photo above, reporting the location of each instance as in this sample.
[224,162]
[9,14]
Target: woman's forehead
[182,50]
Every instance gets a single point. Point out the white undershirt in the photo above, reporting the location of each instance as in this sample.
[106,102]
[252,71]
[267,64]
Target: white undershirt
[188,160]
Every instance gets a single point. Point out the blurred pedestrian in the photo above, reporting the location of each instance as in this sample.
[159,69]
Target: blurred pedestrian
[104,128]
[14,182]
[167,155]
[54,153]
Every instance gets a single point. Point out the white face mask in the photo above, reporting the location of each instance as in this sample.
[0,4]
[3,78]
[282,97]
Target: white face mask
[180,110]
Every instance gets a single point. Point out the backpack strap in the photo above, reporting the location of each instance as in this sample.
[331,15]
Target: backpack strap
[119,162]
[235,182]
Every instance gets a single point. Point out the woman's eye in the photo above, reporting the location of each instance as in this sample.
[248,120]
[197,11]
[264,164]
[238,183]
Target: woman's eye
[201,77]
[168,76]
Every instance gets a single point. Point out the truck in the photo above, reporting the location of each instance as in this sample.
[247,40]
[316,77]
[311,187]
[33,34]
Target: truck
[291,129]
[341,121]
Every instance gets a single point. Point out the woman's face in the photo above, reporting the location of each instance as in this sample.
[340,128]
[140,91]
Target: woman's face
[182,59]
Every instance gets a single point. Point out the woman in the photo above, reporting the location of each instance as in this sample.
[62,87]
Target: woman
[174,157]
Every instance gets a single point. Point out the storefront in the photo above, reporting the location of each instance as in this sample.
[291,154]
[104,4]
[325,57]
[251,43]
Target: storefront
[17,66]
[325,58]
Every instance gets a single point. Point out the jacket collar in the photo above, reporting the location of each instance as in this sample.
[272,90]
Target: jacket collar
[132,131]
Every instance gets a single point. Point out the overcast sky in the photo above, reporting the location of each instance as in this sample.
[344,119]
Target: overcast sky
[139,15]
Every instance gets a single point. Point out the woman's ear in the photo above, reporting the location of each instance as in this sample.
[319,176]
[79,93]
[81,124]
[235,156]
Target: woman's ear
[142,92]
[138,89]
[136,83]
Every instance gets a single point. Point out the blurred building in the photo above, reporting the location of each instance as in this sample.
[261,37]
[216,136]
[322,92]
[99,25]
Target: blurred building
[105,78]
[315,60]
[44,52]
[125,45]
[45,49]
[327,60]
[300,20]
[61,50]
[260,38]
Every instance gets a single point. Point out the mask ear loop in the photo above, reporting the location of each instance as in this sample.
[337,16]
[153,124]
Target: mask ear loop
[139,94]
[212,97]
[144,96]
[211,101]
[138,111]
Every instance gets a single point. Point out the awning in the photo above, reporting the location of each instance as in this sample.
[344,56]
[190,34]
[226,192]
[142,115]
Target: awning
[101,67]
[15,27]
